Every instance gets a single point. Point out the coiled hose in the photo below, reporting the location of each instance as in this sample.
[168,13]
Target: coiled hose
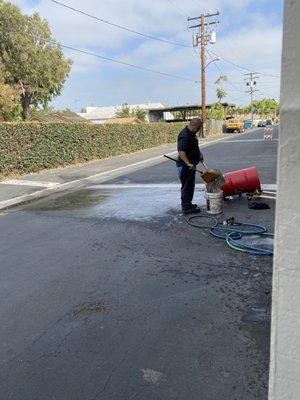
[232,234]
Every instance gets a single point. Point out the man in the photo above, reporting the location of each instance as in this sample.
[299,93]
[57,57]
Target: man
[189,155]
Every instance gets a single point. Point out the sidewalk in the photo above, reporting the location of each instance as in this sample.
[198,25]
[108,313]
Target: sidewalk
[44,183]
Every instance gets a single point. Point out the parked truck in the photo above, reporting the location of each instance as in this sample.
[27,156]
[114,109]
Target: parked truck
[234,125]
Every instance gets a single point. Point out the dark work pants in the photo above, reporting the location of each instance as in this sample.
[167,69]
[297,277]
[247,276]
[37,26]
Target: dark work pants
[187,178]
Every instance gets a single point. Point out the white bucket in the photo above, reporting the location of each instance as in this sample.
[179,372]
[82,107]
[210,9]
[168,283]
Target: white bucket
[214,202]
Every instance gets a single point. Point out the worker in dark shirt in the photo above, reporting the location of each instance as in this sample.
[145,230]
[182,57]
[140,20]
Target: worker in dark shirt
[189,155]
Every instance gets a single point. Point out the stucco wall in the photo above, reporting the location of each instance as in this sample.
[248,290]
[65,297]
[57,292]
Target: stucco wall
[285,338]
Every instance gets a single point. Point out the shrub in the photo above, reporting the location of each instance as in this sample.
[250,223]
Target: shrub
[31,147]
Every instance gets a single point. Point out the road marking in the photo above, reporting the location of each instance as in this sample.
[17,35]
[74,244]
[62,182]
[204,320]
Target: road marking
[141,186]
[250,140]
[20,182]
[272,187]
[199,186]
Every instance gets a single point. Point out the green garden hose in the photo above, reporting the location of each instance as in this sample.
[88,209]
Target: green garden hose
[232,234]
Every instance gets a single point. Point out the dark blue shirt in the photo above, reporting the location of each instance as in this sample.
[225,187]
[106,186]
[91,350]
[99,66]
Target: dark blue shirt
[188,143]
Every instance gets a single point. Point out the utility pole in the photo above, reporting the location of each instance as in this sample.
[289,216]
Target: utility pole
[251,82]
[203,75]
[202,39]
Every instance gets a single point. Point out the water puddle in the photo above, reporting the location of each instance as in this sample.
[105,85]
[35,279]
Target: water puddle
[81,199]
[262,242]
[137,203]
[256,315]
[142,204]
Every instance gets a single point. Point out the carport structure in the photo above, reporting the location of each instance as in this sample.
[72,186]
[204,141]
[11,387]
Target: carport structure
[180,113]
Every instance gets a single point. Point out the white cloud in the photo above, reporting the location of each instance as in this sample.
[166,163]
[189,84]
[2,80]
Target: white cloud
[245,38]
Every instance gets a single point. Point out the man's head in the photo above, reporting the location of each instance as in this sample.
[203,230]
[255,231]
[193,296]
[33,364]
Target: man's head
[195,125]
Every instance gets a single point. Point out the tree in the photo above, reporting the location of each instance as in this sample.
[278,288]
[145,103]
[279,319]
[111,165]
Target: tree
[221,94]
[123,112]
[266,107]
[66,110]
[139,113]
[221,79]
[9,100]
[30,58]
[216,111]
[246,109]
[239,110]
[126,112]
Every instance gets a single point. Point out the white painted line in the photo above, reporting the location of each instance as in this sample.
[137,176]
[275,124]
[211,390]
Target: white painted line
[141,186]
[251,140]
[222,139]
[20,182]
[271,187]
[199,186]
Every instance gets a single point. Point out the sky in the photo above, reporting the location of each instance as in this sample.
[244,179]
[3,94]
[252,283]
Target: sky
[249,34]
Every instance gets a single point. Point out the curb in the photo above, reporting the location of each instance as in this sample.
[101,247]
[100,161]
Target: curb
[80,182]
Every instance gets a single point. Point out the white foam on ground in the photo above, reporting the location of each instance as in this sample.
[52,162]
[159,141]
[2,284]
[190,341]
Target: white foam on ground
[259,241]
[143,204]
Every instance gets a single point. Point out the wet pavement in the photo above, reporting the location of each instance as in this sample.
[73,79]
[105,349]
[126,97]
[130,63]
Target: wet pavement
[108,293]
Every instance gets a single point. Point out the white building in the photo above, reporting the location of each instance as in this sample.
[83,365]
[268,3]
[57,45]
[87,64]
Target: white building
[98,115]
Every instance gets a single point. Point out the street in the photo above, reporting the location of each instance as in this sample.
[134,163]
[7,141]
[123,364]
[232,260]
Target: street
[107,293]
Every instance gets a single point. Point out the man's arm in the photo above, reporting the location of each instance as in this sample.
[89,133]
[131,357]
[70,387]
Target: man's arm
[182,145]
[182,155]
[201,157]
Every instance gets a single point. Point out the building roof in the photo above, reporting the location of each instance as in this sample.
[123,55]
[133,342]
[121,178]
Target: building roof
[103,113]
[187,107]
[59,117]
[131,120]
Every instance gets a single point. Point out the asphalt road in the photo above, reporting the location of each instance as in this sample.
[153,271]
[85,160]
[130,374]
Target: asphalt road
[107,293]
[236,153]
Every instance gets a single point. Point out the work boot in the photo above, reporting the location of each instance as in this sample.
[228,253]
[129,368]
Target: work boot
[190,210]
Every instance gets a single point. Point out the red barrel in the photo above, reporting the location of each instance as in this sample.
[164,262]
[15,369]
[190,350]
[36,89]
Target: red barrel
[242,181]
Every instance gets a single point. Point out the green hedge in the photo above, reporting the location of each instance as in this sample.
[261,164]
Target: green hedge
[31,147]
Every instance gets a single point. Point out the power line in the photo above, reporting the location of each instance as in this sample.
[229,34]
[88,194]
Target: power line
[223,73]
[264,93]
[231,84]
[270,87]
[228,24]
[240,66]
[240,98]
[197,55]
[129,64]
[150,36]
[120,26]
[178,8]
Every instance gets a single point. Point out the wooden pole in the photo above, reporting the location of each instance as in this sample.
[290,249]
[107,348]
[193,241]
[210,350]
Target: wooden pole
[203,78]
